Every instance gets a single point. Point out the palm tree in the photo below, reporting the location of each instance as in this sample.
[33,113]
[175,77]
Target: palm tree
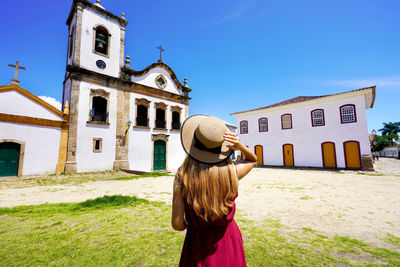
[390,127]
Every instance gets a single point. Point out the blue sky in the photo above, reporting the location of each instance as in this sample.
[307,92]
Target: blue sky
[237,55]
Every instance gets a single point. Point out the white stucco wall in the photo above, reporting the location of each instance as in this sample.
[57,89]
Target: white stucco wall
[41,146]
[149,79]
[306,139]
[86,159]
[90,20]
[140,140]
[14,103]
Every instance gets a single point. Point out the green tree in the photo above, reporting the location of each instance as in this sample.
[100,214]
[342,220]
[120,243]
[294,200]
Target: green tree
[380,142]
[390,128]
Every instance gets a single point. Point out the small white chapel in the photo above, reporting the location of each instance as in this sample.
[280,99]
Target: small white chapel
[112,117]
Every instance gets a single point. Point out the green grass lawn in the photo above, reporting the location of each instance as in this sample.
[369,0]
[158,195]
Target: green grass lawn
[127,231]
[74,179]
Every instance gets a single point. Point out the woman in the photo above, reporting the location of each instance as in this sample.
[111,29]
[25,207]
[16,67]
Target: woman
[205,188]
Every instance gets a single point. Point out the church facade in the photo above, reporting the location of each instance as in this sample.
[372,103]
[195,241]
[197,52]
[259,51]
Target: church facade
[327,131]
[117,117]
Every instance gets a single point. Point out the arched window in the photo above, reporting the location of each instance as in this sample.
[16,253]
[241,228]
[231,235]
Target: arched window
[262,125]
[244,127]
[286,121]
[317,117]
[101,42]
[348,113]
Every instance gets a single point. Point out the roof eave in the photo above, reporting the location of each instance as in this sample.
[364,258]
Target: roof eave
[324,96]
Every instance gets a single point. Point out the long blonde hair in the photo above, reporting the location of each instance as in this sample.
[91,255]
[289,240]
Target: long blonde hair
[209,189]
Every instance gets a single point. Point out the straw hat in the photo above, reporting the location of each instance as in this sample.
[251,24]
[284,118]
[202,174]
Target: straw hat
[202,138]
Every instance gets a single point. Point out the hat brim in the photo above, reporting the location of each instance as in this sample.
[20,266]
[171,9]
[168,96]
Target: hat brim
[187,138]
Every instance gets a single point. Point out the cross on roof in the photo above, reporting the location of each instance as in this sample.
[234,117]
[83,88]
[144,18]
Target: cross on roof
[161,50]
[16,66]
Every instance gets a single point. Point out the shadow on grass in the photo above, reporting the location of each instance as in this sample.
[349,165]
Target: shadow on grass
[110,201]
[97,203]
[152,174]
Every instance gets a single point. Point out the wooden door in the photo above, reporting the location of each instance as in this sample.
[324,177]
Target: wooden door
[258,149]
[9,158]
[159,155]
[328,155]
[288,159]
[352,154]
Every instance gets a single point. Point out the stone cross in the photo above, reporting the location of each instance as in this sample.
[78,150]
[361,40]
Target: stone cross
[161,50]
[16,66]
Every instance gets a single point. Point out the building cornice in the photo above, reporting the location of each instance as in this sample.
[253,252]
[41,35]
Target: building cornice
[124,84]
[31,120]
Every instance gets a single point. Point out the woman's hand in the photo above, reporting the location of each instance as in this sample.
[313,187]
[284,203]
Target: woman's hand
[234,139]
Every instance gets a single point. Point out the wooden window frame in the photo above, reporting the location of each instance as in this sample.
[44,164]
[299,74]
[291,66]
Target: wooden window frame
[312,117]
[247,127]
[100,145]
[146,103]
[341,115]
[163,78]
[162,106]
[291,121]
[103,94]
[107,55]
[179,110]
[266,125]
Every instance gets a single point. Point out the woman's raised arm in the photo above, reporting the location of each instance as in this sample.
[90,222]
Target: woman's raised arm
[249,159]
[178,207]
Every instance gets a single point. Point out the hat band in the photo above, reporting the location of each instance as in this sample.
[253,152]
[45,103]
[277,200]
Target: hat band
[201,146]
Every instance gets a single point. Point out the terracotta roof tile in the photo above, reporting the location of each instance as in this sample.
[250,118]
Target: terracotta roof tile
[301,99]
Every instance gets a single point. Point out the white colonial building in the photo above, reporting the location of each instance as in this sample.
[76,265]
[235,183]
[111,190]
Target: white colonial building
[114,117]
[119,117]
[327,131]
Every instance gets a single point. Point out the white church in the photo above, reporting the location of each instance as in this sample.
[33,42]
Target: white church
[113,117]
[328,131]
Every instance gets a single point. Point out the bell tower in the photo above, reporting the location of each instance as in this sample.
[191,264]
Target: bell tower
[95,55]
[95,38]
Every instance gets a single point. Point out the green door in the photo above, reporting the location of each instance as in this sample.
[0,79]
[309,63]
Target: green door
[9,159]
[159,155]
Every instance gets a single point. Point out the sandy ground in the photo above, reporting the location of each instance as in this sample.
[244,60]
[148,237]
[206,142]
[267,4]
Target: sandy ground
[387,166]
[333,203]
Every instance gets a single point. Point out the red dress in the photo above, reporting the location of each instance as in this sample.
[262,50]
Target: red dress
[218,243]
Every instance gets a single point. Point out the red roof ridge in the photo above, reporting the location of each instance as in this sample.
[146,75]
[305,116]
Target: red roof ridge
[302,99]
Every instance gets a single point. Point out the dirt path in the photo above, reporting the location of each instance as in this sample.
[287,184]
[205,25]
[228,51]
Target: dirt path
[359,206]
[333,203]
[387,166]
